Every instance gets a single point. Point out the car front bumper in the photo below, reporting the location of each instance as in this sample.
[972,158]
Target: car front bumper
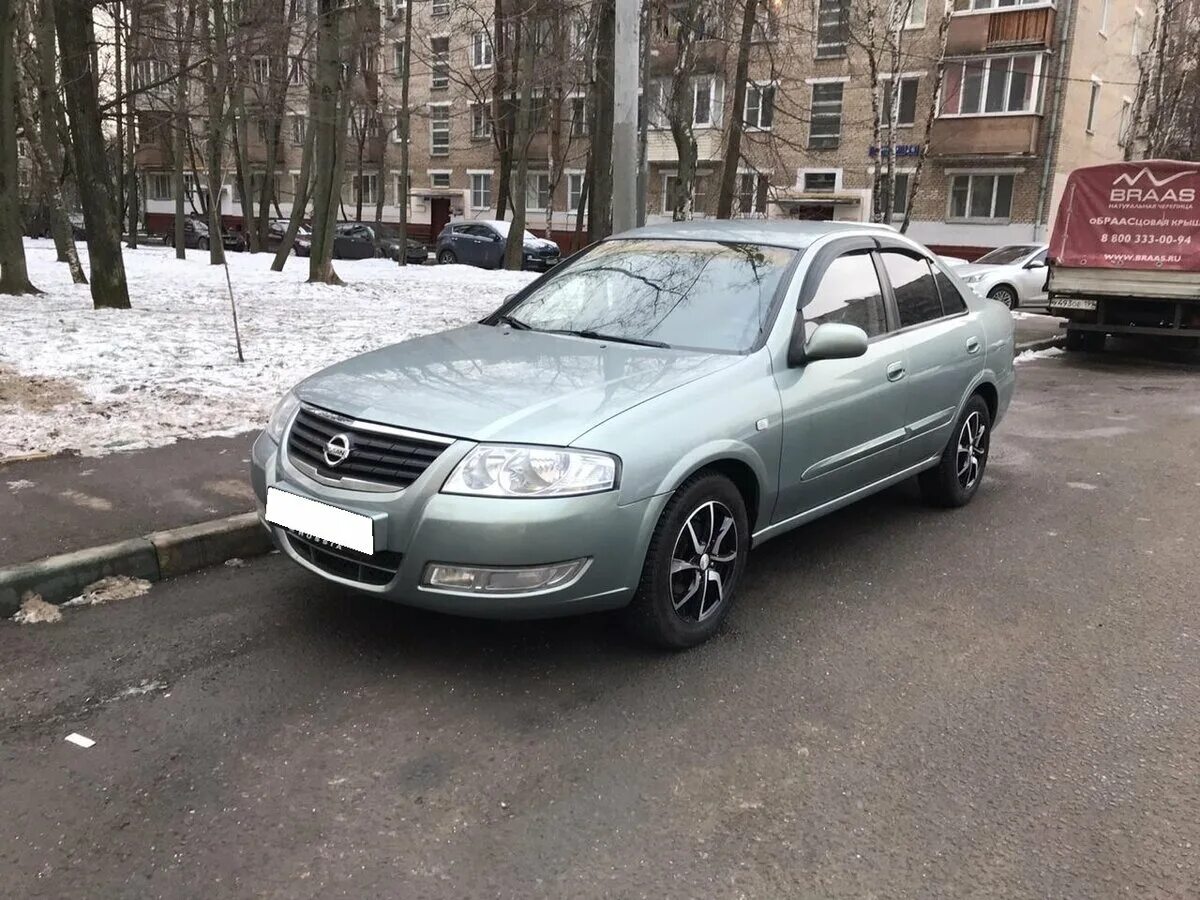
[418,526]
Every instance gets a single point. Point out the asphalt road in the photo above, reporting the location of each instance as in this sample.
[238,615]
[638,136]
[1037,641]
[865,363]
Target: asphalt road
[1002,701]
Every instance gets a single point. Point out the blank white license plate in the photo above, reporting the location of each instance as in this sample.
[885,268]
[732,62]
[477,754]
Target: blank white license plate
[1069,303]
[338,526]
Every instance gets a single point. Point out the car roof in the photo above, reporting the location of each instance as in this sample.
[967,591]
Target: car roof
[777,232]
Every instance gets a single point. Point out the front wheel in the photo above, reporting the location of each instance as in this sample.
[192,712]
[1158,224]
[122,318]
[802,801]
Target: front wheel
[1005,295]
[958,474]
[447,257]
[202,244]
[693,566]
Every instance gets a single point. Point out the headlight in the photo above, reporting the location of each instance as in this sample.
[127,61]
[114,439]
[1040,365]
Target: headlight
[975,278]
[494,470]
[282,414]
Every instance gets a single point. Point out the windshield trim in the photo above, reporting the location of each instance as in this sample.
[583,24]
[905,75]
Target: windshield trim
[781,290]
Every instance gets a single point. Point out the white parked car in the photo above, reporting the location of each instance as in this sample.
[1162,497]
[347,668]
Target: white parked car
[954,261]
[1015,275]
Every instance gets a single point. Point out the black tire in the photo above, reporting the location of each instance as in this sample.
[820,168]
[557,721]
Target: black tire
[447,257]
[1085,341]
[202,244]
[1005,295]
[959,473]
[699,521]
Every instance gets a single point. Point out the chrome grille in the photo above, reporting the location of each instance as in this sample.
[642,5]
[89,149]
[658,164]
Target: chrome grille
[378,454]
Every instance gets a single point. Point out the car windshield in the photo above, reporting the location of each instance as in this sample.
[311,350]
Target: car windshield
[694,294]
[503,229]
[1006,256]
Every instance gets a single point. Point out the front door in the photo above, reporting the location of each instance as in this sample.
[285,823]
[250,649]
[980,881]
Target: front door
[439,215]
[843,419]
[1032,282]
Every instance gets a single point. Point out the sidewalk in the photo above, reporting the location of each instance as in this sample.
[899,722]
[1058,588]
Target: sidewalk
[67,503]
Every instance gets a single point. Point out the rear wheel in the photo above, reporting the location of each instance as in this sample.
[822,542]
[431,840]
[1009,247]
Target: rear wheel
[693,565]
[1005,295]
[447,257]
[202,244]
[958,474]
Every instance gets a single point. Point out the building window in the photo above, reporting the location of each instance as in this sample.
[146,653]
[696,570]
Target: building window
[579,117]
[825,119]
[22,149]
[400,189]
[766,23]
[439,180]
[297,130]
[578,35]
[760,105]
[916,14]
[398,57]
[980,197]
[439,64]
[149,72]
[481,122]
[832,16]
[1123,126]
[260,129]
[481,50]
[158,186]
[1104,17]
[752,194]
[439,130]
[992,85]
[395,8]
[671,191]
[1093,102]
[481,190]
[296,71]
[23,181]
[899,196]
[537,192]
[979,5]
[440,8]
[260,69]
[907,113]
[820,181]
[575,192]
[706,101]
[366,188]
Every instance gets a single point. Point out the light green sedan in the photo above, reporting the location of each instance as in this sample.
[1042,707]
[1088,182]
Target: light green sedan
[622,432]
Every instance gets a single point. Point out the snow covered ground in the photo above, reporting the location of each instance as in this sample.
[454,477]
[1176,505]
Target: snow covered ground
[97,381]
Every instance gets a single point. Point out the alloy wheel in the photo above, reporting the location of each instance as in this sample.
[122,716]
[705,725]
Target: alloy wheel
[703,561]
[972,449]
[1005,296]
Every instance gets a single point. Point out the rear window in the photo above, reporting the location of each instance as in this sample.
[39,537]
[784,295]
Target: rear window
[917,298]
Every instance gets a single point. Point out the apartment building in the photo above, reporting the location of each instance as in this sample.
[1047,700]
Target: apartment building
[1029,92]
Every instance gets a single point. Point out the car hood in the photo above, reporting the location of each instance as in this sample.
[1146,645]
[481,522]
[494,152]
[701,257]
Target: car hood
[976,269]
[540,244]
[496,384]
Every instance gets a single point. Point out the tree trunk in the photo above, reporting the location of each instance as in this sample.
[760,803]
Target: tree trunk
[14,276]
[183,31]
[939,72]
[514,249]
[405,126]
[600,205]
[213,37]
[303,189]
[500,132]
[241,139]
[132,195]
[733,147]
[73,21]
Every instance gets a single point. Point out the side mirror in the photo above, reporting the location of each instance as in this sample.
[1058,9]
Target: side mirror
[832,340]
[1035,264]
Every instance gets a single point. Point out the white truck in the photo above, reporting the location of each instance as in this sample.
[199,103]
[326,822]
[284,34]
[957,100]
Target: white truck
[1125,253]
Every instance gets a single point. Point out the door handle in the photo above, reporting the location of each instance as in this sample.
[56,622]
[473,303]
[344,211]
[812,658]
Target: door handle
[973,346]
[895,371]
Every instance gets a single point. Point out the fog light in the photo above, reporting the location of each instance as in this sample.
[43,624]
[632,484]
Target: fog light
[503,580]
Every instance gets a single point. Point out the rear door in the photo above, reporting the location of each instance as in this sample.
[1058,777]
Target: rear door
[944,344]
[843,419]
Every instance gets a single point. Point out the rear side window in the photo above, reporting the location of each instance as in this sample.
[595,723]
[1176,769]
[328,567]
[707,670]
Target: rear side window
[952,301]
[849,293]
[917,298]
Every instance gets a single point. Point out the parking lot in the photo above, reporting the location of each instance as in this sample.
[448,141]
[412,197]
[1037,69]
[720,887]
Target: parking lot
[999,701]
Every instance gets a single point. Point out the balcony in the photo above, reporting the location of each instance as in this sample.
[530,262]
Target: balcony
[995,136]
[1005,29]
[660,146]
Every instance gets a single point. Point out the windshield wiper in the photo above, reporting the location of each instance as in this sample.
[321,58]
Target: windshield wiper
[515,323]
[616,339]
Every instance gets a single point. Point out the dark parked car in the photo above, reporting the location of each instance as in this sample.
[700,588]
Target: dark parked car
[300,246]
[389,247]
[353,240]
[196,236]
[481,243]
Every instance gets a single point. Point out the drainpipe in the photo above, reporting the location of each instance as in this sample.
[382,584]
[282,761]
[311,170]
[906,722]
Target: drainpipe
[1064,24]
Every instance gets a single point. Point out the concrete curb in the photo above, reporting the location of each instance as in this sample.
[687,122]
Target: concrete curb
[159,555]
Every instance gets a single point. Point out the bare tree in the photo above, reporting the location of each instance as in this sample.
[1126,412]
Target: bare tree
[737,123]
[185,26]
[514,250]
[14,277]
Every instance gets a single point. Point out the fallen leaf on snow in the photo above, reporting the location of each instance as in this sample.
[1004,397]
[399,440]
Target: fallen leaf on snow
[35,611]
[114,587]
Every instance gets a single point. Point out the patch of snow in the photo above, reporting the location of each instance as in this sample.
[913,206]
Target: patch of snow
[114,587]
[79,740]
[146,687]
[1081,485]
[36,611]
[1018,314]
[20,484]
[235,562]
[167,369]
[1030,355]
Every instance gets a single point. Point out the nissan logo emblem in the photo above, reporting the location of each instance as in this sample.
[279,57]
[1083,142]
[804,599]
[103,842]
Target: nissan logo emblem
[337,450]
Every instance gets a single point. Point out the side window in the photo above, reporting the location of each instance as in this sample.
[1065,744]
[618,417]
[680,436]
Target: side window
[916,294]
[849,293]
[952,300]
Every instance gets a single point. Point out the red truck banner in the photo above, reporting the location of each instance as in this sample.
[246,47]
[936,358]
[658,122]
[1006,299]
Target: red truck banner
[1136,215]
